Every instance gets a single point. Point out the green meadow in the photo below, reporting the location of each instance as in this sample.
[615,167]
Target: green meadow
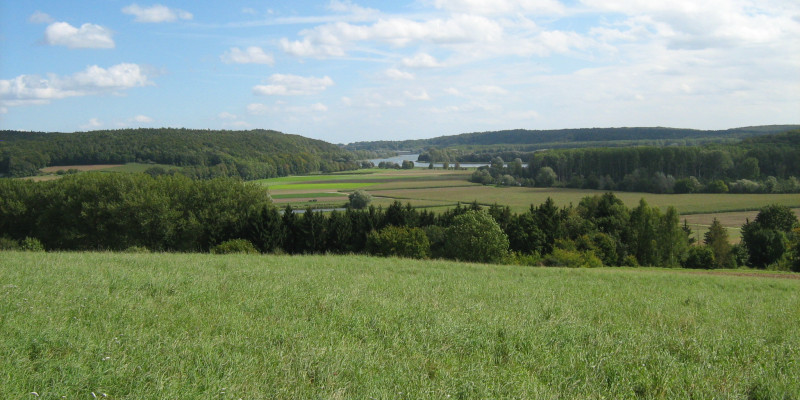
[179,326]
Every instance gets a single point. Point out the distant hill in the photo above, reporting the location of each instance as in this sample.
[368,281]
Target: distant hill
[203,153]
[530,140]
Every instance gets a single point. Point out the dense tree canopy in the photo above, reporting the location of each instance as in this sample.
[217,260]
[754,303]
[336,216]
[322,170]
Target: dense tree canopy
[529,140]
[102,211]
[764,164]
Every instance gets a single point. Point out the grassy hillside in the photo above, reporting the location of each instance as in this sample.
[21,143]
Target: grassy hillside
[165,326]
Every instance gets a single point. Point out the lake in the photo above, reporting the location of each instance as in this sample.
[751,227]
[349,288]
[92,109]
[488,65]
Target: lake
[413,157]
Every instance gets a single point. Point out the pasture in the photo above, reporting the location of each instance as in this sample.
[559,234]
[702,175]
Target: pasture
[132,326]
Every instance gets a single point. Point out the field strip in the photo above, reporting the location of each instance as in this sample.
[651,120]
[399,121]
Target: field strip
[94,167]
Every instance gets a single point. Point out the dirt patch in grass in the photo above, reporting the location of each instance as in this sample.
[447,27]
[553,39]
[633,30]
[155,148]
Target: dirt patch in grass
[96,167]
[786,275]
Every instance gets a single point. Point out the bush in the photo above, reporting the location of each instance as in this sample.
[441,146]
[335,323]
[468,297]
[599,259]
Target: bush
[359,199]
[436,238]
[572,259]
[532,260]
[699,257]
[399,241]
[8,244]
[137,249]
[687,185]
[234,246]
[31,244]
[795,250]
[630,261]
[481,176]
[476,236]
[717,186]
[546,177]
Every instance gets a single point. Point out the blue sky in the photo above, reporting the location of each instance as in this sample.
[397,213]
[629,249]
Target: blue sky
[346,71]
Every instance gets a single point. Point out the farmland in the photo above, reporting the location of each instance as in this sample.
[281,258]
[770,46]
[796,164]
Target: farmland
[440,189]
[202,326]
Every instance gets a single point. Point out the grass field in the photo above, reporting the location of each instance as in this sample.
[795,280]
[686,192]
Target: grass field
[179,326]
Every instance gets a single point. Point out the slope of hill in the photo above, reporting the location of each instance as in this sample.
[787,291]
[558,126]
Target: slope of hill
[528,140]
[158,326]
[248,154]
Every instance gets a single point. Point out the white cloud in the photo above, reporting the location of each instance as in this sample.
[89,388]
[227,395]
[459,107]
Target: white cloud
[88,36]
[238,124]
[259,109]
[421,60]
[501,6]
[250,55]
[281,108]
[420,96]
[226,115]
[374,99]
[347,6]
[3,110]
[120,76]
[396,74]
[32,89]
[156,13]
[39,17]
[319,107]
[306,48]
[333,39]
[471,107]
[687,24]
[142,119]
[293,85]
[93,123]
[453,91]
[489,89]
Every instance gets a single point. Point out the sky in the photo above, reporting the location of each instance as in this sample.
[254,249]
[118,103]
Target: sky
[345,71]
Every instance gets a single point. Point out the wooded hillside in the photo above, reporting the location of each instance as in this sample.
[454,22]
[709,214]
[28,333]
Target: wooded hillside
[529,140]
[247,154]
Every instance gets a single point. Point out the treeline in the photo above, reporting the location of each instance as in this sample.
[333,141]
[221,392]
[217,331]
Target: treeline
[203,153]
[96,211]
[766,164]
[174,213]
[529,140]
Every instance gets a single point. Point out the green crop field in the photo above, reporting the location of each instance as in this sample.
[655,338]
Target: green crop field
[180,326]
[520,198]
[307,195]
[321,186]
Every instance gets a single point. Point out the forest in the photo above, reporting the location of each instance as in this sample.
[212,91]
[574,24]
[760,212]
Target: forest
[481,146]
[763,164]
[139,212]
[248,155]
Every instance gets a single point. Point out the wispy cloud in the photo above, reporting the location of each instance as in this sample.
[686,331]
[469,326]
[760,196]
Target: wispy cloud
[39,17]
[250,55]
[156,13]
[293,85]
